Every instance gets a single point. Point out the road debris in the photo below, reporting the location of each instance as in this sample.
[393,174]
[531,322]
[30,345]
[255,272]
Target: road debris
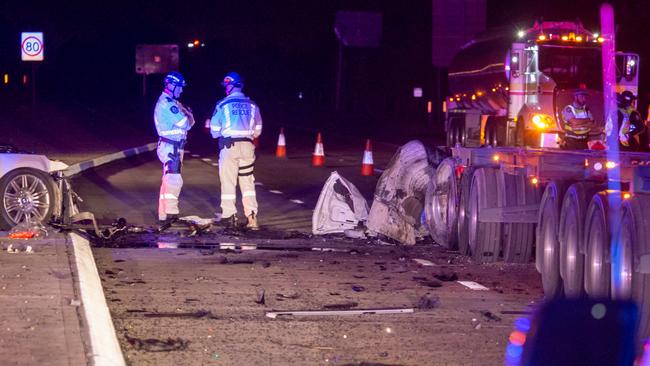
[428,302]
[423,262]
[260,297]
[195,314]
[275,314]
[446,276]
[157,345]
[341,306]
[399,198]
[489,316]
[473,285]
[340,207]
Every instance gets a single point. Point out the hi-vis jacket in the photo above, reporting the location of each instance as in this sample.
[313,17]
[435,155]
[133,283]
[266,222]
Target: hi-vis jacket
[236,116]
[171,121]
[577,120]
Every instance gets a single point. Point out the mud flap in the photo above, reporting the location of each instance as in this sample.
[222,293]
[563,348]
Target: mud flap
[340,207]
[399,197]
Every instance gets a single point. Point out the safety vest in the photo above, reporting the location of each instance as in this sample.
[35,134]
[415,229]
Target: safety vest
[577,120]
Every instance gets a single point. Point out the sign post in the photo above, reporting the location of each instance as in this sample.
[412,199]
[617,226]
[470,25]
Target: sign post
[32,49]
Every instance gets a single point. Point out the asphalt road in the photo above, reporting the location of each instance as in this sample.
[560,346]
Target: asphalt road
[202,304]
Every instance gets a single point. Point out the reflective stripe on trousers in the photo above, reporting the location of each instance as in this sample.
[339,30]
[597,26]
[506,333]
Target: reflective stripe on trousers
[241,154]
[170,185]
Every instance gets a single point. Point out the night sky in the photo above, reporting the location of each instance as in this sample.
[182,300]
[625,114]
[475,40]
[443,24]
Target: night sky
[280,47]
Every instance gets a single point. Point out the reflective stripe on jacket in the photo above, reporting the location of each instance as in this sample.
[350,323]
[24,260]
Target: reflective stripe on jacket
[171,122]
[236,116]
[577,120]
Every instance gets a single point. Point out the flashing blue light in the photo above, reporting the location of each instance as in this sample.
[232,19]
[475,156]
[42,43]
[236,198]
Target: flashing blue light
[513,354]
[522,324]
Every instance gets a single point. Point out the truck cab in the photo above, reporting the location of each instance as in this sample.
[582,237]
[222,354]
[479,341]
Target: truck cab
[511,92]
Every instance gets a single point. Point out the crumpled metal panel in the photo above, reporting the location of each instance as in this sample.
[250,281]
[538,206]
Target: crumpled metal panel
[399,196]
[340,207]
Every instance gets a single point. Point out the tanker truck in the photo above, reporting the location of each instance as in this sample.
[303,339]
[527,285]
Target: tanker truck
[511,92]
[508,192]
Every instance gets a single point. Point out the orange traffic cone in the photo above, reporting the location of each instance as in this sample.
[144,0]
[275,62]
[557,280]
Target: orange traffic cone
[367,168]
[207,125]
[318,158]
[281,150]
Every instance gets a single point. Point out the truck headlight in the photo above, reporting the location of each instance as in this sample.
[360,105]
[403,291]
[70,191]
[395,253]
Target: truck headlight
[542,121]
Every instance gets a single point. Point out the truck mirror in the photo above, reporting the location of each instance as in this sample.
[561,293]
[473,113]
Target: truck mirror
[512,65]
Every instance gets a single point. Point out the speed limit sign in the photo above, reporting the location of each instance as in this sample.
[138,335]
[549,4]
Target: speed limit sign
[31,46]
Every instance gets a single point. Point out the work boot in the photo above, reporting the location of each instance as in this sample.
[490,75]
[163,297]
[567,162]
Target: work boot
[252,222]
[167,223]
[230,222]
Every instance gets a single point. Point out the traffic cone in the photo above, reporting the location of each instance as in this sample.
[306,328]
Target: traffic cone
[318,158]
[367,168]
[281,150]
[207,125]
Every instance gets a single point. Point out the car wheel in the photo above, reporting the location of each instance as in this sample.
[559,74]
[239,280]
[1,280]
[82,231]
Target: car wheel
[27,195]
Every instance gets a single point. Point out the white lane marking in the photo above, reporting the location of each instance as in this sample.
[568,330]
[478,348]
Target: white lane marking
[103,341]
[297,201]
[259,183]
[215,164]
[275,191]
[196,155]
[378,170]
[423,262]
[473,285]
[207,160]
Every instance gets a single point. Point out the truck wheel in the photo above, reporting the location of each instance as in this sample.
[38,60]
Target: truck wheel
[548,249]
[571,234]
[441,205]
[27,194]
[463,217]
[491,133]
[597,242]
[628,282]
[484,237]
[453,134]
[518,238]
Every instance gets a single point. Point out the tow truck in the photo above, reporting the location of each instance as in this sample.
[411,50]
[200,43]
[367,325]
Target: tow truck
[507,191]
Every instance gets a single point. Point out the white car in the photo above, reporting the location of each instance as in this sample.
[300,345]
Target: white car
[28,188]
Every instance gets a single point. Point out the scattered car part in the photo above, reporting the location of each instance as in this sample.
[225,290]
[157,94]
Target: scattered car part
[275,314]
[340,207]
[399,198]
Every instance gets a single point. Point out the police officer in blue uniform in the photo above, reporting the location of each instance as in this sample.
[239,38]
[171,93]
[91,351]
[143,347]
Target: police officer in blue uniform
[172,120]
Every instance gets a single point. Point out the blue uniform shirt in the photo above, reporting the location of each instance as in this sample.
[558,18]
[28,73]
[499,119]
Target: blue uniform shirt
[171,121]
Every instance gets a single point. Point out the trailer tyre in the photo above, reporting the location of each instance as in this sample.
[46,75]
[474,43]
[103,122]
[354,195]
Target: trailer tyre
[571,237]
[463,217]
[484,237]
[26,193]
[628,280]
[518,238]
[441,205]
[597,242]
[547,246]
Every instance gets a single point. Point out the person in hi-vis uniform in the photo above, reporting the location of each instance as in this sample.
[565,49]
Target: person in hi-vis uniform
[577,121]
[172,120]
[236,121]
